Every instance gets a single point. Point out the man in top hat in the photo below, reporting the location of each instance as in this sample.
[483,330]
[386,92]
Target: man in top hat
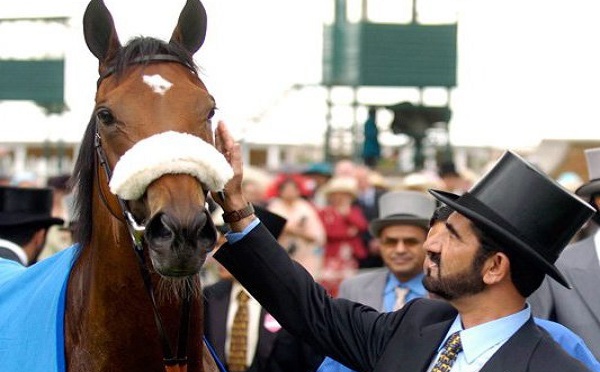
[579,308]
[493,251]
[267,347]
[25,216]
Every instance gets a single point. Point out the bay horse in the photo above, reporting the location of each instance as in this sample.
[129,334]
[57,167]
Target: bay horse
[146,164]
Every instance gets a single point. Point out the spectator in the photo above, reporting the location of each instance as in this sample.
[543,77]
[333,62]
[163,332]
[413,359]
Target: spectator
[25,216]
[304,235]
[579,308]
[267,347]
[344,224]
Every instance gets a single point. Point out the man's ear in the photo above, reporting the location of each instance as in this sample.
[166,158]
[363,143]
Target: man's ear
[496,268]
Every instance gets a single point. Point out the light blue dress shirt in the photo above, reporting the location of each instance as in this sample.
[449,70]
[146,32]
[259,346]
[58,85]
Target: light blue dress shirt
[414,285]
[482,341]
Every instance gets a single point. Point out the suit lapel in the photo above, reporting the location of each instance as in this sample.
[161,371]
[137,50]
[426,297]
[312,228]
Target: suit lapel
[413,354]
[219,308]
[374,292]
[266,339]
[585,279]
[515,354]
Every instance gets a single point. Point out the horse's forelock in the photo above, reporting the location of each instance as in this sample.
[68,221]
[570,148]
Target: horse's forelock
[147,47]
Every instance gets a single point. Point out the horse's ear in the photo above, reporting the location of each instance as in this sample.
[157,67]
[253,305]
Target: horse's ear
[99,31]
[191,27]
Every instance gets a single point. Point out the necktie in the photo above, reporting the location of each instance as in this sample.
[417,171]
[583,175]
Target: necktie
[401,293]
[239,335]
[448,354]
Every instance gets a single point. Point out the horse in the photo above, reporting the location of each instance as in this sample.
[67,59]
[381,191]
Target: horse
[142,177]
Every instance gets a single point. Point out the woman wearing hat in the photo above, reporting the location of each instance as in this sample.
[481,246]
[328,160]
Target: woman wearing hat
[344,224]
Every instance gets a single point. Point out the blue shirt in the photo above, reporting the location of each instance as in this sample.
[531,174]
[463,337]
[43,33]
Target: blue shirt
[414,285]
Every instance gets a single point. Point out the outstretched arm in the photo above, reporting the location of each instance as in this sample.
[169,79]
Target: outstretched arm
[350,332]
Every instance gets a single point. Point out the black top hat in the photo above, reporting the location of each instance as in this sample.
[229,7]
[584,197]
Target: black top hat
[525,209]
[23,205]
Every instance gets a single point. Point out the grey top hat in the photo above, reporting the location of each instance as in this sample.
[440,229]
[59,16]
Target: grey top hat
[403,208]
[593,165]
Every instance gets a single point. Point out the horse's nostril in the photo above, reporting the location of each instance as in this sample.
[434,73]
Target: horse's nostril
[158,228]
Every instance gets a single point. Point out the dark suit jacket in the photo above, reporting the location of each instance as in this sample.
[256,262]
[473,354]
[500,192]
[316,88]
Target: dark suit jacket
[361,337]
[276,351]
[577,308]
[9,255]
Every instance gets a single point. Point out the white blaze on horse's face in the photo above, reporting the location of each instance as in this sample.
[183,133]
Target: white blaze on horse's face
[157,83]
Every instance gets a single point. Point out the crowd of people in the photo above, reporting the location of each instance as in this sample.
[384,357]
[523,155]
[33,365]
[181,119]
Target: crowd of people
[349,233]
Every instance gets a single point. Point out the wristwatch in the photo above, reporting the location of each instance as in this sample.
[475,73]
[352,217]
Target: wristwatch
[237,215]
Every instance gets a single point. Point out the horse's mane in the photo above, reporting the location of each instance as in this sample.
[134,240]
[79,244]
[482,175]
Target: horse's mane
[86,165]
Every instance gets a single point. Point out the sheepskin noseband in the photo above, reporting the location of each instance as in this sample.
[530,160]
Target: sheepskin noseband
[168,153]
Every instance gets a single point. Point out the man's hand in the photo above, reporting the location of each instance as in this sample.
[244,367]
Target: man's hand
[232,197]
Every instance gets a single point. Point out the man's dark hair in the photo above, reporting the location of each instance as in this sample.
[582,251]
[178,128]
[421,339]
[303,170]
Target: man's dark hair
[525,276]
[20,234]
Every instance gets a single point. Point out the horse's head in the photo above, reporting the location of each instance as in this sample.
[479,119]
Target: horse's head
[152,126]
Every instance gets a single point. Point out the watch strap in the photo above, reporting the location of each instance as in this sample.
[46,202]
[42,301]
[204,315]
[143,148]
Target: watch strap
[237,215]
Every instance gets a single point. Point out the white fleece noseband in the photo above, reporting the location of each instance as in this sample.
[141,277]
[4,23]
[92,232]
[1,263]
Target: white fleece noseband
[168,153]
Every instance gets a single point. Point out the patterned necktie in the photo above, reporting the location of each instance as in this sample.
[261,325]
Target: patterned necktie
[401,293]
[448,354]
[239,335]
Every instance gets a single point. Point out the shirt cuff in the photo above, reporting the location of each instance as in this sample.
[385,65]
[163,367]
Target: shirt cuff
[233,237]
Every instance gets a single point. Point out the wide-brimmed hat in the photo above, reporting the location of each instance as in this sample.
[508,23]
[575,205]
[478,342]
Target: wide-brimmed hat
[347,185]
[323,169]
[403,208]
[25,205]
[530,213]
[592,187]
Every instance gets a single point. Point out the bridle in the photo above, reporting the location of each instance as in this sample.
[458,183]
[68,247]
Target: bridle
[172,362]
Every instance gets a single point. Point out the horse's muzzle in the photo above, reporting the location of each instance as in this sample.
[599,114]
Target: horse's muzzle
[179,247]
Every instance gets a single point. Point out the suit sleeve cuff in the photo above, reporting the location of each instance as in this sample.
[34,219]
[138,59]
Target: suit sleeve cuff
[233,237]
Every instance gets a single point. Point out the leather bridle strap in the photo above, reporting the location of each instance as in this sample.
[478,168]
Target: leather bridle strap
[144,59]
[172,363]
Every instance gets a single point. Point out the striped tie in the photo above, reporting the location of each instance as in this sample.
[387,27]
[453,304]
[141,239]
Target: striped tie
[448,354]
[401,293]
[239,335]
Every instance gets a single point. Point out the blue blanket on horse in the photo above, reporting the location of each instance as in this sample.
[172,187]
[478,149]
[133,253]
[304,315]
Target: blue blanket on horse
[32,305]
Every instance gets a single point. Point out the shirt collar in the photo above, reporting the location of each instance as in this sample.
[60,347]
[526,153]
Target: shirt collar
[415,285]
[476,340]
[16,250]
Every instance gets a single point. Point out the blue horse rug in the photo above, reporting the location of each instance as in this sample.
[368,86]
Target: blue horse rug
[32,306]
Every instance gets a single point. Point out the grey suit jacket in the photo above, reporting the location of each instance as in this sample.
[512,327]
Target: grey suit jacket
[366,288]
[578,308]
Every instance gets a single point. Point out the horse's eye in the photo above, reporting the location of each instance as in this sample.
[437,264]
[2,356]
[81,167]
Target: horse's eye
[105,116]
[211,113]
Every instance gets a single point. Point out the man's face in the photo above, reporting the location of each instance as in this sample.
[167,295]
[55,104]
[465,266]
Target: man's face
[402,250]
[453,263]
